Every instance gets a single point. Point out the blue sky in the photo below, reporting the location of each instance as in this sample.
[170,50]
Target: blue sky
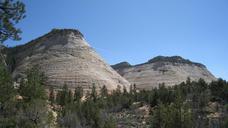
[138,30]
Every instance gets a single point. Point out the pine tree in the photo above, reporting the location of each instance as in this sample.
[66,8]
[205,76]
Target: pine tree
[110,123]
[33,86]
[33,111]
[63,96]
[78,93]
[104,91]
[51,95]
[7,99]
[93,94]
[156,118]
[11,13]
[7,91]
[70,97]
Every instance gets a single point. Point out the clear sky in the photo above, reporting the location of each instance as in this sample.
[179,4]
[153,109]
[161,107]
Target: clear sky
[138,30]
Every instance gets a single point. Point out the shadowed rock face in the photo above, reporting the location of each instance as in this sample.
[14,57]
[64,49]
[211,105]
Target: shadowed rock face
[121,66]
[169,70]
[66,58]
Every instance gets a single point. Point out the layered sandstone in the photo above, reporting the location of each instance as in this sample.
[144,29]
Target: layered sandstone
[168,70]
[66,58]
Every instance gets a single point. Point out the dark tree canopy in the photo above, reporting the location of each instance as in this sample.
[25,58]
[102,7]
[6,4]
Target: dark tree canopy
[11,12]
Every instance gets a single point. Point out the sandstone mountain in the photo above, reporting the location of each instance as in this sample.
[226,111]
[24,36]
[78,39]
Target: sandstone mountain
[65,58]
[168,70]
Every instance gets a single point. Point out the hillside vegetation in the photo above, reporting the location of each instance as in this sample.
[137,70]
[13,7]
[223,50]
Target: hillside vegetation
[187,105]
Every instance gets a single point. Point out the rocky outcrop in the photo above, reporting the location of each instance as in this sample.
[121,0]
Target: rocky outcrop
[121,66]
[66,58]
[168,70]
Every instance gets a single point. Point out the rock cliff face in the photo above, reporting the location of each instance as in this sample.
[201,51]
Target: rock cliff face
[169,70]
[66,58]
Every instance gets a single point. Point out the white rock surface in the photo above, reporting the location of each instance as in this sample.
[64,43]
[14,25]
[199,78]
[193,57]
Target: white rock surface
[168,70]
[66,58]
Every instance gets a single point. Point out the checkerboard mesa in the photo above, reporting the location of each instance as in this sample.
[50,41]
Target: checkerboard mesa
[163,69]
[65,58]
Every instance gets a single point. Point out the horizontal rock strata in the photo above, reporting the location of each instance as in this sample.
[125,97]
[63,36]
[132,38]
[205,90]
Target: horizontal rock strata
[167,70]
[66,58]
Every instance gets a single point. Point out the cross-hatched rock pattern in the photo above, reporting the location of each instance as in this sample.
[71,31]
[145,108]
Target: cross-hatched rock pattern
[66,58]
[168,70]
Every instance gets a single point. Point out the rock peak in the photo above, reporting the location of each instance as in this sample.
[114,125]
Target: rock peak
[55,37]
[66,58]
[174,59]
[67,31]
[123,64]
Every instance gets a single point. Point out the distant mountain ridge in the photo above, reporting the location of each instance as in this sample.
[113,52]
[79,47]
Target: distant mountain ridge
[163,69]
[66,58]
[174,59]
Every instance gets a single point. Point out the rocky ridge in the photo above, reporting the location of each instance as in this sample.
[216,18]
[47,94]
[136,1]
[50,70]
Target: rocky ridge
[161,69]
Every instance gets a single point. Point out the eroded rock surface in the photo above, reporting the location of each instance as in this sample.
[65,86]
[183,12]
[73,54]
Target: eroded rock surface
[169,70]
[66,58]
